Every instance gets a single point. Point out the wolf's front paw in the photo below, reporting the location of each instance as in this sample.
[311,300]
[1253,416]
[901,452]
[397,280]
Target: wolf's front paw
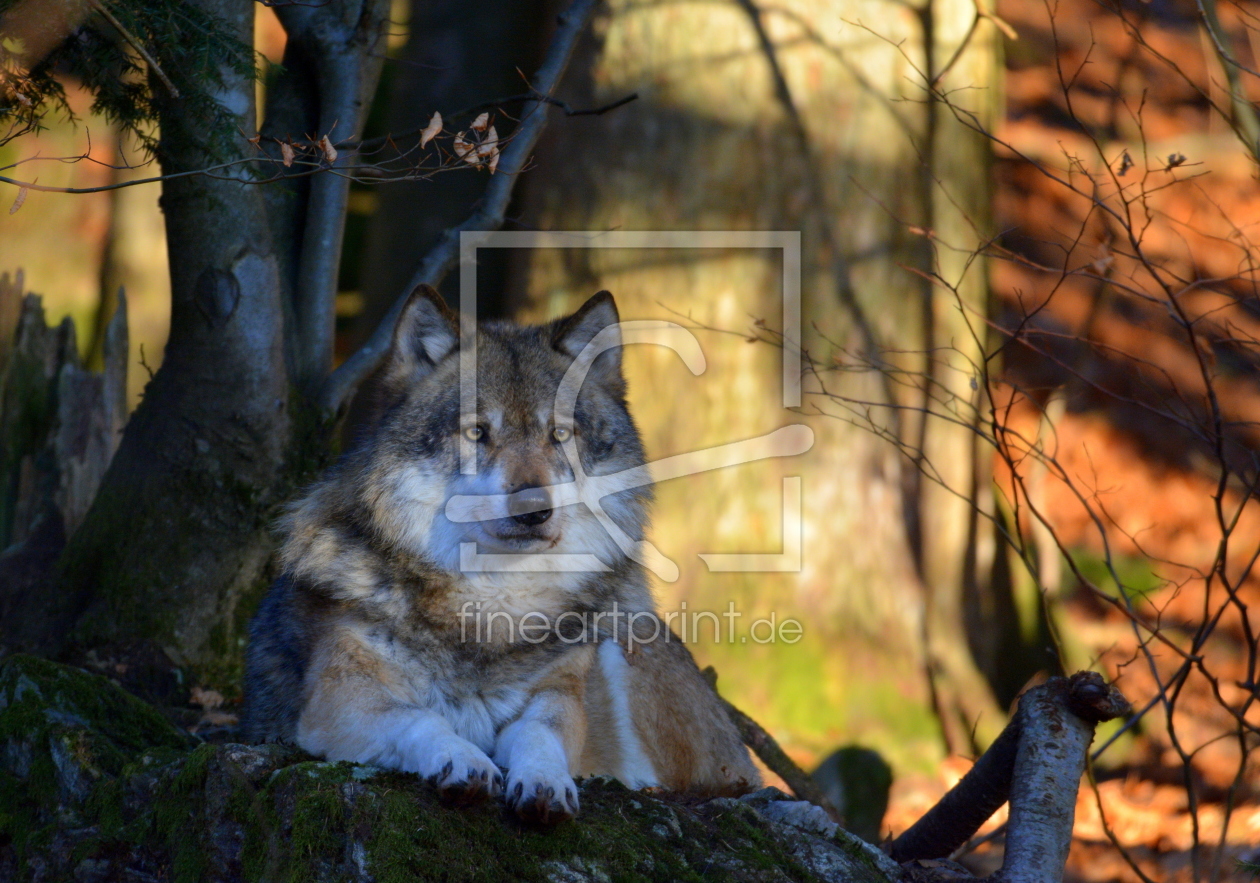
[462,772]
[541,795]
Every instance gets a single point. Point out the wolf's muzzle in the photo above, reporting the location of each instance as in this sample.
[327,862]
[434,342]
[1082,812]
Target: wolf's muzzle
[531,505]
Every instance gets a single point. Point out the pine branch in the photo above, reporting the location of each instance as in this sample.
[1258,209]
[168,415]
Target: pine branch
[136,45]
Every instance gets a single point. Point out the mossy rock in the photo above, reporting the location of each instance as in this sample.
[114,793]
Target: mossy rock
[96,786]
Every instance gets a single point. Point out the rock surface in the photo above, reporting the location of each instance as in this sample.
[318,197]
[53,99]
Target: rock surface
[95,786]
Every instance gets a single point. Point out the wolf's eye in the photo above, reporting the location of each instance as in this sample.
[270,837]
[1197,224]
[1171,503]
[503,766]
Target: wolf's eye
[562,433]
[474,433]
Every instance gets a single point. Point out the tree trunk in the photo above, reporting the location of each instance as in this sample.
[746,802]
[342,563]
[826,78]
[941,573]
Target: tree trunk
[174,553]
[59,428]
[174,543]
[955,546]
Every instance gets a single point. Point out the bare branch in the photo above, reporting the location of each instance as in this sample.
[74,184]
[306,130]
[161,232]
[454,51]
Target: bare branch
[1246,123]
[772,755]
[342,383]
[1057,723]
[1037,764]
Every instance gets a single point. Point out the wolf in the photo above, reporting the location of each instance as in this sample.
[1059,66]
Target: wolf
[386,642]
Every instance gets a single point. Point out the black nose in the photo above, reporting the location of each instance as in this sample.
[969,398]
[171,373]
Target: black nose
[531,505]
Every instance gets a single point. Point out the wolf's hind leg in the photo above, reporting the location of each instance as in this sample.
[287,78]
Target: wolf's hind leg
[686,734]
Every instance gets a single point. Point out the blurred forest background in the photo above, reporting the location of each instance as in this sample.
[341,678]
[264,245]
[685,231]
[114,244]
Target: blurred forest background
[1030,317]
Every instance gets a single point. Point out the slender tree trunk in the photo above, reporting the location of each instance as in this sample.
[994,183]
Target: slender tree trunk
[955,551]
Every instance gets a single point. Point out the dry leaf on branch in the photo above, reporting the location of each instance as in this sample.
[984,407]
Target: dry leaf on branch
[330,152]
[19,199]
[466,150]
[489,144]
[480,150]
[432,130]
[286,152]
[488,149]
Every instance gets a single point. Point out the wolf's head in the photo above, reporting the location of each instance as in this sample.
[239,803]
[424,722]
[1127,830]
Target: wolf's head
[535,462]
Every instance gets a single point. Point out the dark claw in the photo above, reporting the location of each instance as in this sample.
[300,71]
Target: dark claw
[470,791]
[446,770]
[542,805]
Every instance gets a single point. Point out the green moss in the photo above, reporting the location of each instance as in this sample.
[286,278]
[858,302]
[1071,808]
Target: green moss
[101,724]
[315,445]
[224,667]
[764,852]
[150,801]
[105,807]
[68,736]
[178,814]
[19,814]
[855,849]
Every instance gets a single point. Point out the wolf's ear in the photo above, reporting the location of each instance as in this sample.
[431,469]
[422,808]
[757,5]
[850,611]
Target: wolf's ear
[573,333]
[426,332]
